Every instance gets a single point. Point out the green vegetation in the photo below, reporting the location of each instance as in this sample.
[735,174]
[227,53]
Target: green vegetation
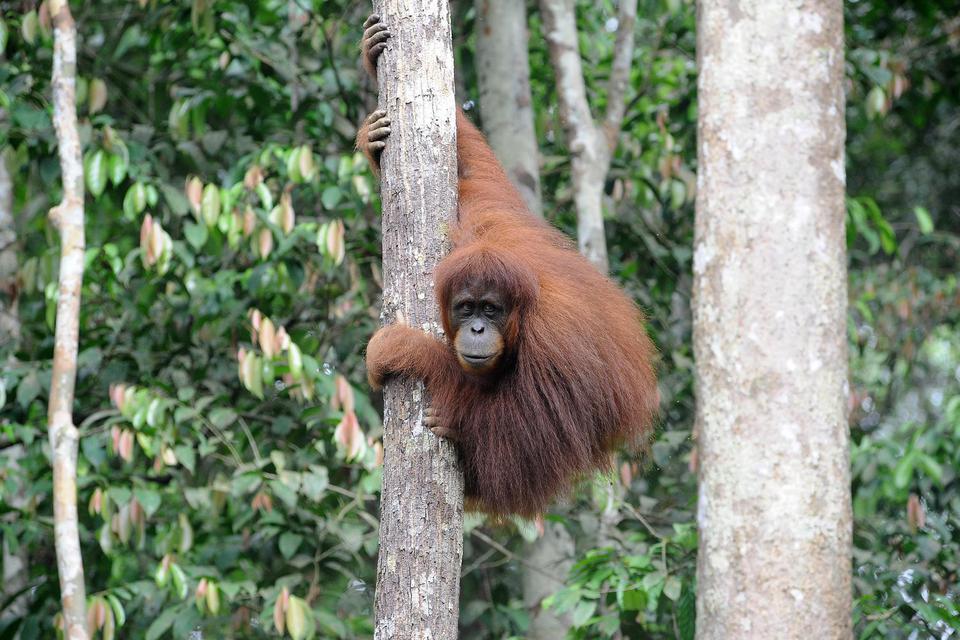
[229,464]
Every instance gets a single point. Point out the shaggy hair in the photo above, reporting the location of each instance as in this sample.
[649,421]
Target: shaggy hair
[576,380]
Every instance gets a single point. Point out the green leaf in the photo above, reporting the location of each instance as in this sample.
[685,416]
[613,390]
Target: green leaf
[175,199]
[95,170]
[117,607]
[293,165]
[117,169]
[155,413]
[28,27]
[330,197]
[210,205]
[331,624]
[245,483]
[282,491]
[28,389]
[652,579]
[196,234]
[266,198]
[93,450]
[223,417]
[904,471]
[295,362]
[678,194]
[299,619]
[634,600]
[134,202]
[148,499]
[119,495]
[637,561]
[213,598]
[4,35]
[931,467]
[186,456]
[289,543]
[924,220]
[186,533]
[314,484]
[163,622]
[672,587]
[876,100]
[687,615]
[583,612]
[180,584]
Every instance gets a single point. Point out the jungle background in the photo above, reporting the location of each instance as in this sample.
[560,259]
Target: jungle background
[229,458]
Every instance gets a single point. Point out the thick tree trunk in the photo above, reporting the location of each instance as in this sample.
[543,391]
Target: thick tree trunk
[421,525]
[591,145]
[769,323]
[503,76]
[68,218]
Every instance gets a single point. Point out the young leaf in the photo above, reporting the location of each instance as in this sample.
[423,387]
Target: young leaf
[924,220]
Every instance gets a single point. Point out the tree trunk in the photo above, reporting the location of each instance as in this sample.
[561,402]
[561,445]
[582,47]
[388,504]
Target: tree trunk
[588,197]
[770,323]
[68,218]
[548,561]
[591,145]
[503,76]
[14,562]
[9,319]
[421,524]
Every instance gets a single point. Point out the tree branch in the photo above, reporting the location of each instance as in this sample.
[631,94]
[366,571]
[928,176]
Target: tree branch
[560,30]
[68,217]
[620,72]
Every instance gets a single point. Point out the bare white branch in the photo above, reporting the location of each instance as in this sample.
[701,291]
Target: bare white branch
[620,71]
[68,217]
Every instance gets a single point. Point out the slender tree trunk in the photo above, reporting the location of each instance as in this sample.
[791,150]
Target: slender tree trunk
[503,74]
[421,524]
[548,561]
[68,218]
[591,144]
[9,319]
[770,323]
[14,562]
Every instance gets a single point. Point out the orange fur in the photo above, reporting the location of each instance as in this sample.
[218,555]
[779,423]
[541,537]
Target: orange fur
[578,379]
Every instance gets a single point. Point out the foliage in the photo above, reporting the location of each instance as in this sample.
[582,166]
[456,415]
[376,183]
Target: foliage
[229,461]
[610,592]
[905,384]
[228,467]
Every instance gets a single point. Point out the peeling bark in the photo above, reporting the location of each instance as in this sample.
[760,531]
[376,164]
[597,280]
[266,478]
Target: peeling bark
[591,144]
[503,76]
[421,523]
[68,218]
[769,311]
